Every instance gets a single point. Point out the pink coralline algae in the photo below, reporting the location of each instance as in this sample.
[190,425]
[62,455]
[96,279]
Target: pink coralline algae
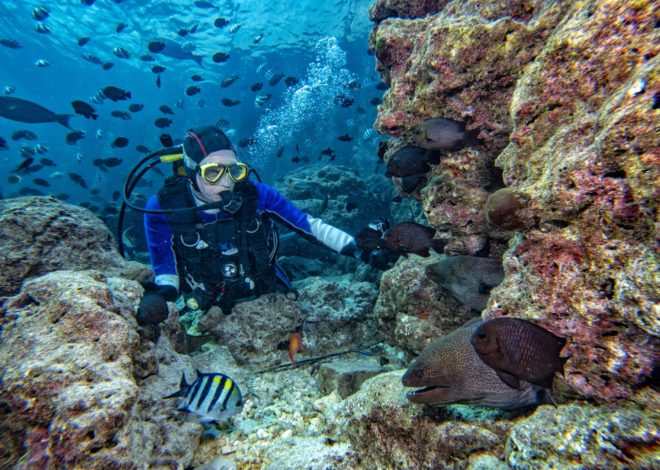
[565,95]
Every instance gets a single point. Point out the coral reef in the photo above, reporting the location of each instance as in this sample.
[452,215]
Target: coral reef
[39,235]
[411,310]
[69,360]
[565,94]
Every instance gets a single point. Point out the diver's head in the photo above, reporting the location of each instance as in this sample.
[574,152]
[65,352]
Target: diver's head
[211,163]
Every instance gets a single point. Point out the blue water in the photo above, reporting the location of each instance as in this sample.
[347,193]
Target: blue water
[322,43]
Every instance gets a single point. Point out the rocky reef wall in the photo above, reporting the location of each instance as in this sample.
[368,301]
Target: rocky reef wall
[565,97]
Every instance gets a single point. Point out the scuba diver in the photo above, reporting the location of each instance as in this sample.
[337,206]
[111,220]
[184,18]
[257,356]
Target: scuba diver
[210,231]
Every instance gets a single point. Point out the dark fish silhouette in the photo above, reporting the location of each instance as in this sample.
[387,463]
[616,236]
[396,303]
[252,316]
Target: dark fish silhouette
[136,107]
[107,66]
[166,109]
[41,182]
[220,22]
[163,123]
[3,144]
[227,102]
[119,142]
[256,86]
[219,57]
[24,164]
[20,110]
[192,90]
[121,115]
[10,43]
[196,78]
[519,351]
[291,81]
[83,40]
[158,81]
[116,94]
[275,79]
[368,239]
[24,134]
[121,53]
[174,50]
[73,137]
[111,162]
[410,183]
[411,237]
[76,178]
[142,149]
[120,27]
[92,58]
[166,140]
[469,278]
[84,109]
[40,13]
[158,69]
[345,138]
[375,101]
[450,371]
[47,162]
[146,58]
[445,134]
[228,81]
[411,160]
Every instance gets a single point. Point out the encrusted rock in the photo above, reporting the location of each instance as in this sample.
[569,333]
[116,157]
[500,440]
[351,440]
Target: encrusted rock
[39,235]
[254,329]
[345,375]
[585,436]
[69,394]
[412,310]
[338,313]
[388,431]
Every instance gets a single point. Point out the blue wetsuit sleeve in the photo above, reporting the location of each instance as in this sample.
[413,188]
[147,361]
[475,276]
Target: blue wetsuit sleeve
[271,201]
[158,234]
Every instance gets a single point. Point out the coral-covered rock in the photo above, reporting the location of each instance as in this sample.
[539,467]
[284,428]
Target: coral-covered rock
[382,9]
[255,328]
[584,436]
[586,159]
[333,314]
[69,393]
[336,194]
[566,96]
[39,235]
[412,310]
[338,314]
[389,432]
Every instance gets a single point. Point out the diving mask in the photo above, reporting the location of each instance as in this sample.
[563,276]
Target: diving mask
[212,172]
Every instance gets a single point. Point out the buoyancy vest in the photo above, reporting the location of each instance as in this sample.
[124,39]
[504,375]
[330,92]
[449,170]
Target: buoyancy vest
[228,259]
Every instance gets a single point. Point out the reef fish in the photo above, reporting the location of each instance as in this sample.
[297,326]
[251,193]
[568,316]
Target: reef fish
[409,160]
[21,110]
[295,345]
[174,50]
[450,371]
[519,351]
[445,134]
[214,396]
[469,278]
[411,237]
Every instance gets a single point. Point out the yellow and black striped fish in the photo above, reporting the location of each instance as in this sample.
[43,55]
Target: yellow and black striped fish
[214,396]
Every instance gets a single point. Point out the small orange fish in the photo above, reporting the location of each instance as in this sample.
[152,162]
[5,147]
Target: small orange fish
[295,345]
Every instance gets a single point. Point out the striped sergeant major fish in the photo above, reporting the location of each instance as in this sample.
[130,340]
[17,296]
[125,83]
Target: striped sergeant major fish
[214,396]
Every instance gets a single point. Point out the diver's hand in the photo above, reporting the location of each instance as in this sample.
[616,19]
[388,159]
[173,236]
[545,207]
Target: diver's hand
[353,251]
